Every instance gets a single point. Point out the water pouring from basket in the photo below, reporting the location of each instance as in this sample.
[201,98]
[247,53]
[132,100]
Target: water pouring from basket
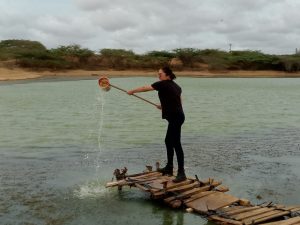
[105,85]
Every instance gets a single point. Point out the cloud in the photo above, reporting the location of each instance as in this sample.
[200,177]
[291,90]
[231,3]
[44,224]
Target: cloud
[270,26]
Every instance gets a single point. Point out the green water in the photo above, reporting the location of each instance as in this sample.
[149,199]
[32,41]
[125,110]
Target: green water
[60,142]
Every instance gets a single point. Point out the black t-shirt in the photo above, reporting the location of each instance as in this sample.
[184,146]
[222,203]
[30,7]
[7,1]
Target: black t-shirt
[169,95]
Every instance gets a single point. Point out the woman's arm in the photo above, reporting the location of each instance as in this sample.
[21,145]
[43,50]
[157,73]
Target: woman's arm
[140,89]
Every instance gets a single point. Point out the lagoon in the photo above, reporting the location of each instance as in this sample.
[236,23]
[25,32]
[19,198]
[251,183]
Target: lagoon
[60,142]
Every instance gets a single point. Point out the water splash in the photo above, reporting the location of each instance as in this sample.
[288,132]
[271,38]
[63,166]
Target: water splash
[100,109]
[91,190]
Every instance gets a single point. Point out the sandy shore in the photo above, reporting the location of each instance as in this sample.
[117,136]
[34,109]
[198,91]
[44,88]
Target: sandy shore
[7,74]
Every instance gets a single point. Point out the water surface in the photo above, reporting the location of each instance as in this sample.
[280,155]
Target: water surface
[60,142]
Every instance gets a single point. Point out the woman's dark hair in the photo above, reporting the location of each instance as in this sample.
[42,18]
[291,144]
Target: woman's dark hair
[169,72]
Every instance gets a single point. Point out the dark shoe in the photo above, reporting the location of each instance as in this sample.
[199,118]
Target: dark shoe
[180,177]
[166,170]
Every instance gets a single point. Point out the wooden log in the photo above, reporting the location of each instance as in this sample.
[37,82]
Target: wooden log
[187,194]
[142,181]
[279,206]
[222,188]
[289,208]
[290,221]
[223,220]
[158,184]
[173,185]
[130,181]
[265,217]
[187,187]
[244,202]
[214,201]
[231,208]
[161,193]
[140,174]
[145,176]
[242,210]
[244,215]
[117,183]
[199,195]
[212,182]
[184,187]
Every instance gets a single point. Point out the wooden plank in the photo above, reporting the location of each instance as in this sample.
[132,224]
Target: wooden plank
[116,183]
[152,177]
[199,195]
[279,206]
[161,193]
[193,191]
[157,184]
[184,187]
[244,215]
[224,221]
[208,181]
[231,208]
[150,174]
[212,202]
[175,185]
[144,181]
[241,210]
[290,221]
[272,215]
[171,185]
[289,208]
[187,194]
[253,218]
[130,181]
[244,202]
[140,174]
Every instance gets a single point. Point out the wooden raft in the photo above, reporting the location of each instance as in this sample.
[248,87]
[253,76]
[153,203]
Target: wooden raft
[208,198]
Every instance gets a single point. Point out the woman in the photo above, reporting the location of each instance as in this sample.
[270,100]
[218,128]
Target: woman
[169,94]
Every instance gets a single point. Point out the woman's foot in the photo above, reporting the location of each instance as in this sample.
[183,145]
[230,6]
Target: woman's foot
[167,170]
[180,177]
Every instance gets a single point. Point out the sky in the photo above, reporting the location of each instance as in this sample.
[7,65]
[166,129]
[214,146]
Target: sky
[270,26]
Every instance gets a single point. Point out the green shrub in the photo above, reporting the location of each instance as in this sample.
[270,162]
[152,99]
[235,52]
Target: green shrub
[10,49]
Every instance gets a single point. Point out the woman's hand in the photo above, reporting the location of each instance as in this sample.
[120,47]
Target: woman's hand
[130,92]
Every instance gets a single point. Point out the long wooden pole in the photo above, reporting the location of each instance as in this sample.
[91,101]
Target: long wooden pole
[134,95]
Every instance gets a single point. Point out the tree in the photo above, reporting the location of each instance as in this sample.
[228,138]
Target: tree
[118,58]
[187,55]
[10,49]
[73,51]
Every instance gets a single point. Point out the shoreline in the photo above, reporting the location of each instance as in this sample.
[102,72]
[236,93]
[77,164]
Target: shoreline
[18,74]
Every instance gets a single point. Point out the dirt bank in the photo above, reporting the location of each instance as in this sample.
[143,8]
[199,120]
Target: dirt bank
[7,74]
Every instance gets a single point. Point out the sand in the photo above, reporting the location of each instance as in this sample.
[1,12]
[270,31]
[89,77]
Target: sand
[7,74]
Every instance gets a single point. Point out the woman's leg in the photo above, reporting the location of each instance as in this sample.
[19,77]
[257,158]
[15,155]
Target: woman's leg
[178,148]
[173,141]
[169,145]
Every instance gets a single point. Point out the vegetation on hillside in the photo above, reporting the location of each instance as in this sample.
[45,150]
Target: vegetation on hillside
[34,55]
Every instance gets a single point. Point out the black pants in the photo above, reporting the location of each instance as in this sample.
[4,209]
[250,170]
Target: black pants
[173,141]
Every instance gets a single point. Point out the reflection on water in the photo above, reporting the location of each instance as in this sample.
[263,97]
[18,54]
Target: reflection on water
[60,142]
